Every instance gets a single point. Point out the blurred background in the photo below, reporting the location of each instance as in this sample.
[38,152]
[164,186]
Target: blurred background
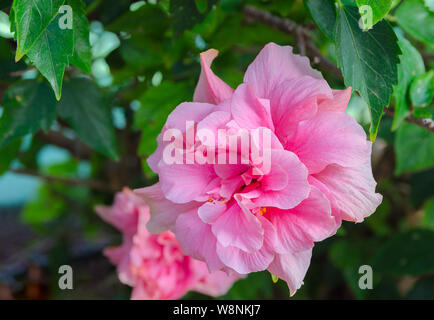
[145,61]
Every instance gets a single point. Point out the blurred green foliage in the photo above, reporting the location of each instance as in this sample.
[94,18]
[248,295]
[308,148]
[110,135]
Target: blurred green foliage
[127,64]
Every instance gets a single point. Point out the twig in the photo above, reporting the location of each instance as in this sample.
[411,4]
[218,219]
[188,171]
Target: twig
[92,184]
[300,33]
[76,147]
[421,122]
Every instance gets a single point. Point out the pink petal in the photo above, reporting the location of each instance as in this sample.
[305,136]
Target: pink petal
[299,227]
[295,100]
[244,262]
[292,268]
[213,284]
[188,111]
[182,183]
[338,103]
[273,65]
[238,228]
[163,212]
[351,191]
[330,138]
[210,88]
[211,210]
[297,188]
[120,256]
[197,240]
[248,111]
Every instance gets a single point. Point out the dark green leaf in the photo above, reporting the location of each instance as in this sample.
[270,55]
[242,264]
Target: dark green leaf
[185,14]
[83,106]
[416,20]
[82,57]
[379,9]
[156,104]
[411,65]
[32,18]
[51,53]
[8,153]
[414,147]
[368,61]
[409,253]
[422,90]
[324,15]
[428,217]
[28,107]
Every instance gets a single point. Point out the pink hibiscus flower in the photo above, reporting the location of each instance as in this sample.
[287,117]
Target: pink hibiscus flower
[153,264]
[239,217]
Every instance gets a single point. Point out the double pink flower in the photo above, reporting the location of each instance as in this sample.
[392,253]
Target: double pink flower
[238,220]
[154,265]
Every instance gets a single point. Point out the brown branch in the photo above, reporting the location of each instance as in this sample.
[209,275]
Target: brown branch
[76,147]
[425,123]
[92,184]
[300,33]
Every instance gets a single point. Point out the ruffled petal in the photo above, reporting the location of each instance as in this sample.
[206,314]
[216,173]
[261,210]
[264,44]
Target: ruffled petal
[239,228]
[210,88]
[244,262]
[273,65]
[292,268]
[299,227]
[330,138]
[297,188]
[197,240]
[163,212]
[351,191]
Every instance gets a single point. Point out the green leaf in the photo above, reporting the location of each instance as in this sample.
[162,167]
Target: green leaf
[414,148]
[324,15]
[185,14]
[82,56]
[28,107]
[51,53]
[416,20]
[409,253]
[411,65]
[368,61]
[45,208]
[422,90]
[32,18]
[8,152]
[84,108]
[379,9]
[428,217]
[156,105]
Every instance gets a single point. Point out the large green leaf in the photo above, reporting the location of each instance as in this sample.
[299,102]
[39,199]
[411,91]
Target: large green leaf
[82,57]
[409,253]
[379,9]
[84,108]
[28,107]
[324,15]
[414,147]
[411,65]
[416,20]
[368,61]
[32,18]
[51,53]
